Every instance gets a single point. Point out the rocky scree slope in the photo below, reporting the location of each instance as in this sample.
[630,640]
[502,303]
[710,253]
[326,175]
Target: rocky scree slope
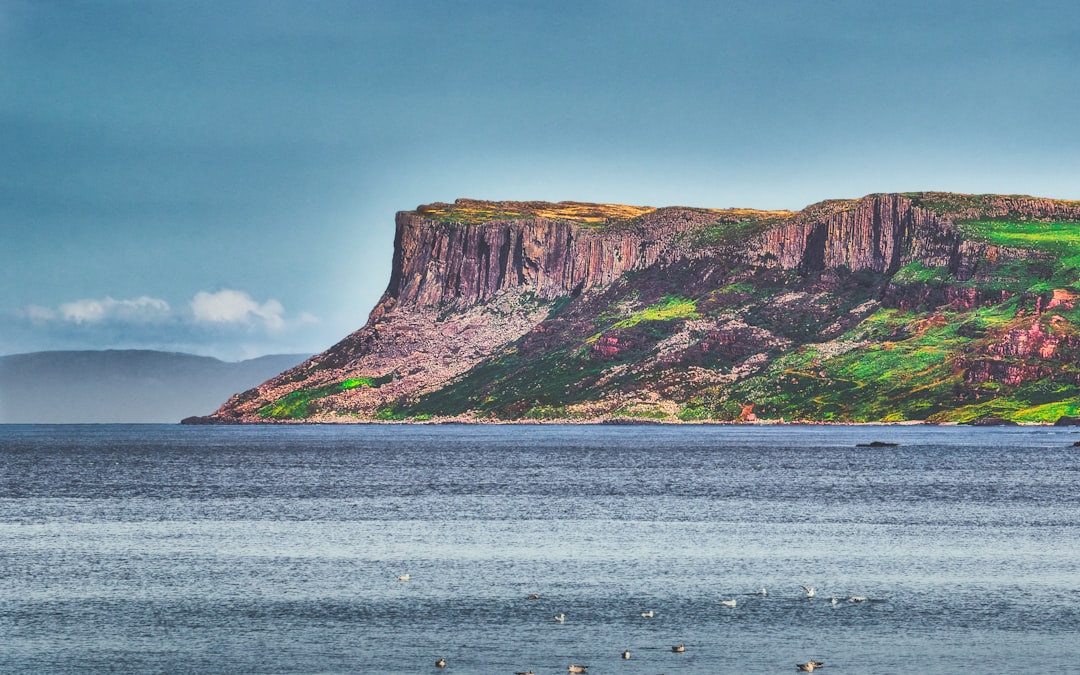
[893,307]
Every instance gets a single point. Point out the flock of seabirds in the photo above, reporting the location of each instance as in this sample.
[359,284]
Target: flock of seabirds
[810,666]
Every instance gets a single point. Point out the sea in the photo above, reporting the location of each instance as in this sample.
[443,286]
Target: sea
[282,549]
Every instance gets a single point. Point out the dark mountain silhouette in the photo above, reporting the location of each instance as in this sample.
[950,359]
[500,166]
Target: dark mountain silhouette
[124,385]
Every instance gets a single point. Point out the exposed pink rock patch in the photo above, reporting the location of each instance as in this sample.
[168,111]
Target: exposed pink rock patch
[1063,298]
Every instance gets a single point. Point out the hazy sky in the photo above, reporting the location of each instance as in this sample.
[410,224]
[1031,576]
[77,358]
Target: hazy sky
[221,177]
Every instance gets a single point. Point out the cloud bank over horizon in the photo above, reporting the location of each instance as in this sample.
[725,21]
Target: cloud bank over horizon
[228,324]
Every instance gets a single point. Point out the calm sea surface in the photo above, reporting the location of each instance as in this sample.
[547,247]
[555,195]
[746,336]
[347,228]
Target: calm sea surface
[169,549]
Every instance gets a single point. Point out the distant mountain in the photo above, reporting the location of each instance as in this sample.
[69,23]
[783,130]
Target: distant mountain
[893,307]
[124,385]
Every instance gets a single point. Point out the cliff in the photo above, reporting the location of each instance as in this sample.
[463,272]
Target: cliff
[921,306]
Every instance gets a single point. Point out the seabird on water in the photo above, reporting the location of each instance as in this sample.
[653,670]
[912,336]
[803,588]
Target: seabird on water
[560,617]
[647,615]
[728,603]
[809,591]
[679,650]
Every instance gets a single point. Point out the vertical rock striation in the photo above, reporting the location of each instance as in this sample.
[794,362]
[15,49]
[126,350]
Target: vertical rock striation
[880,232]
[436,263]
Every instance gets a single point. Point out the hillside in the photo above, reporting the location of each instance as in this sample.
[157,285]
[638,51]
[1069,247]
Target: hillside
[123,385]
[893,307]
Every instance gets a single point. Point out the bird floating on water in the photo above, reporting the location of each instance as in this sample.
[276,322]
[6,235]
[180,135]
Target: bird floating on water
[809,591]
[560,617]
[858,598]
[647,615]
[577,669]
[762,591]
[441,663]
[809,666]
[626,654]
[728,603]
[524,673]
[534,596]
[403,577]
[679,650]
[833,601]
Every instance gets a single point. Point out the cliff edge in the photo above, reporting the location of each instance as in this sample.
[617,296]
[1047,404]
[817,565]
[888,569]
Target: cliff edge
[893,307]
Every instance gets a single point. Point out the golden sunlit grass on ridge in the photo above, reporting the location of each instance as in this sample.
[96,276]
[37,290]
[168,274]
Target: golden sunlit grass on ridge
[476,211]
[591,213]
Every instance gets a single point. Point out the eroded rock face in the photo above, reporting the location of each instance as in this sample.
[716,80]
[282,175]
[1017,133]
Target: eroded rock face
[438,263]
[880,233]
[475,283]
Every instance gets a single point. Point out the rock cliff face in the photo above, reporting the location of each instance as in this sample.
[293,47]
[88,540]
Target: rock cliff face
[446,262]
[846,311]
[438,263]
[881,233]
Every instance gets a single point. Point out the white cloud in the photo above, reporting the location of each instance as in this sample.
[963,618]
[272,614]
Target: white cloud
[37,313]
[227,323]
[139,310]
[229,306]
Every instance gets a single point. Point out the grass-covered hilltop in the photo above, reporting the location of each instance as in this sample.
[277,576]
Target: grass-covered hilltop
[894,307]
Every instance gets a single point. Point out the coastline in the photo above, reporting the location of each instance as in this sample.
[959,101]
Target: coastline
[608,421]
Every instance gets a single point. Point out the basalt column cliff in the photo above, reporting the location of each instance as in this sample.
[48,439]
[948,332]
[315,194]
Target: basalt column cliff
[921,306]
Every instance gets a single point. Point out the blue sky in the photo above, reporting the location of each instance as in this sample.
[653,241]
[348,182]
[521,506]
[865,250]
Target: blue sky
[221,177]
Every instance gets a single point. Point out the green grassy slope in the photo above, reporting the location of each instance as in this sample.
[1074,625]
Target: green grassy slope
[731,336]
[923,358]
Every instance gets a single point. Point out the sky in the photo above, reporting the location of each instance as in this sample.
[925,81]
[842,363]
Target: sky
[221,177]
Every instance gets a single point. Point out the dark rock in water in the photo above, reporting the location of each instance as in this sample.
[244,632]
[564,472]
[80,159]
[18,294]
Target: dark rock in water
[1065,421]
[1076,444]
[993,422]
[877,444]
